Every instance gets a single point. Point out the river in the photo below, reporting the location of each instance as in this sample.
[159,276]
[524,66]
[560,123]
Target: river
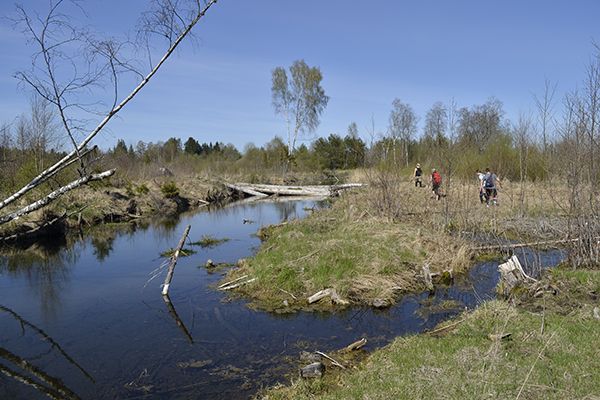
[79,319]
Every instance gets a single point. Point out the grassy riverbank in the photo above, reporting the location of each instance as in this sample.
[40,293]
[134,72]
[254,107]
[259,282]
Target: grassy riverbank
[112,202]
[551,353]
[362,254]
[372,244]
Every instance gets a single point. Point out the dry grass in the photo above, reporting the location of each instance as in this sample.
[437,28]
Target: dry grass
[353,249]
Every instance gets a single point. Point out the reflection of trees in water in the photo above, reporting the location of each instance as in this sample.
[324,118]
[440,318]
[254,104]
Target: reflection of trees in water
[165,228]
[286,209]
[103,244]
[45,266]
[24,372]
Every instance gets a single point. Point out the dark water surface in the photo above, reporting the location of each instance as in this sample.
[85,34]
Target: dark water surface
[77,321]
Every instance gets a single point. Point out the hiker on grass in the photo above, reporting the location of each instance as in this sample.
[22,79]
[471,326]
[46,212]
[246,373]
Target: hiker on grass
[480,181]
[418,175]
[436,183]
[491,184]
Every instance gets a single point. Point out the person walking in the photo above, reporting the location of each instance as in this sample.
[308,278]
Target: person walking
[480,180]
[436,184]
[491,184]
[418,175]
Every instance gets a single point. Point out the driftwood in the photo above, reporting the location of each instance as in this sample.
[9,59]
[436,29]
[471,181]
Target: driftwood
[235,285]
[335,297]
[427,277]
[233,281]
[264,190]
[245,189]
[512,275]
[356,345]
[333,362]
[169,276]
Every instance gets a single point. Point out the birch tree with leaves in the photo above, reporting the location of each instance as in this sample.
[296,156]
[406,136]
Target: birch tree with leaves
[299,98]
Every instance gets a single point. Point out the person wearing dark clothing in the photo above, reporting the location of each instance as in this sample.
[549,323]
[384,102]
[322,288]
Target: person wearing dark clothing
[491,184]
[418,176]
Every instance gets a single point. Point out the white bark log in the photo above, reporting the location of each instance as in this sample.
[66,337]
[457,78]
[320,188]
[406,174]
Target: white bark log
[59,165]
[335,297]
[356,345]
[512,275]
[54,195]
[238,284]
[287,190]
[165,290]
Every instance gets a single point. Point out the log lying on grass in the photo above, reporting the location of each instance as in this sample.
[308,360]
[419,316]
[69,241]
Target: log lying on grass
[512,275]
[356,345]
[335,297]
[236,283]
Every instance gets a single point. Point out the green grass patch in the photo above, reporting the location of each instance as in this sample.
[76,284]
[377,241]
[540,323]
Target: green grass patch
[362,257]
[209,241]
[562,361]
[183,253]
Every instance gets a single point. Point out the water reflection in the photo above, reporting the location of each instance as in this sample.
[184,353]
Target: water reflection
[45,267]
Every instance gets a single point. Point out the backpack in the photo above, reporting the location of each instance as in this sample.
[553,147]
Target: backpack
[489,181]
[437,178]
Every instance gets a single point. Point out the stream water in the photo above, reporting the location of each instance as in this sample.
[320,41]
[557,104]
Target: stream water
[79,320]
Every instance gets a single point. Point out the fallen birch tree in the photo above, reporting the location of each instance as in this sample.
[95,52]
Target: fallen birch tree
[56,38]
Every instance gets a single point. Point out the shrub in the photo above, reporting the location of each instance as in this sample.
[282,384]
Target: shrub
[170,190]
[143,189]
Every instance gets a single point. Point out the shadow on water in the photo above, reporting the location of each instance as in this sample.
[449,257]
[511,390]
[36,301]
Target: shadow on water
[89,296]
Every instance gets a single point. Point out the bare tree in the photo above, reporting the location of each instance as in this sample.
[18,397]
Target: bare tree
[60,77]
[479,124]
[521,134]
[44,133]
[434,131]
[545,107]
[403,126]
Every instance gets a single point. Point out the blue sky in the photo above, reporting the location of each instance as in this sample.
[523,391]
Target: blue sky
[369,54]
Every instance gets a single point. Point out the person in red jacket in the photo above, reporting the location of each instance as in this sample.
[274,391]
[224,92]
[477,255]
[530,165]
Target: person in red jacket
[436,183]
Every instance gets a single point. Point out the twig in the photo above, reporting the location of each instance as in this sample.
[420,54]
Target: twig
[334,362]
[533,365]
[286,292]
[446,327]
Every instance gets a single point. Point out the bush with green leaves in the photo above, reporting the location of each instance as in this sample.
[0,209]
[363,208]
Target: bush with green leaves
[169,190]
